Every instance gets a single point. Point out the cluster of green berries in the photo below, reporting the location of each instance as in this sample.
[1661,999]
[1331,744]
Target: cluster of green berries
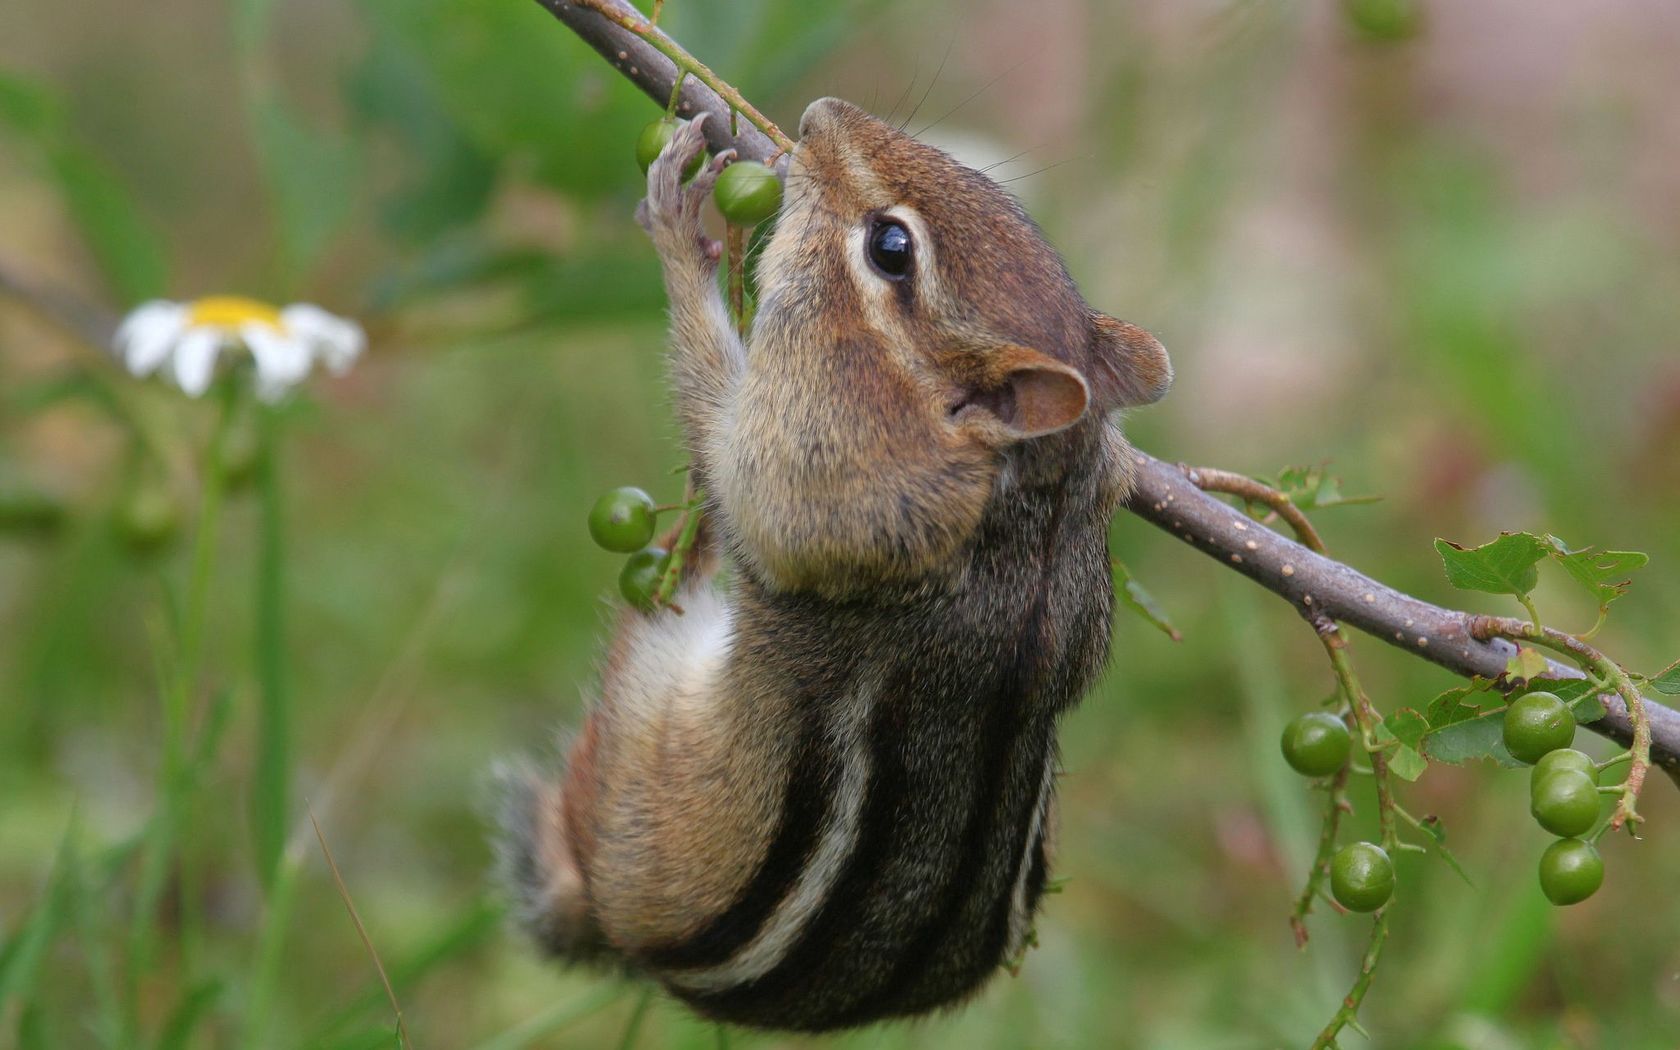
[746,192]
[1361,873]
[1563,794]
[623,521]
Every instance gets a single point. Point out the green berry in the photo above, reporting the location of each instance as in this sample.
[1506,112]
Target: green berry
[1565,803]
[1570,871]
[240,452]
[622,520]
[747,193]
[639,579]
[25,512]
[1537,723]
[1316,744]
[1384,19]
[1561,759]
[1362,876]
[651,142]
[147,519]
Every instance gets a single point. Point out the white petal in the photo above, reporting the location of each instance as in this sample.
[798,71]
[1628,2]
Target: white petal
[341,352]
[282,360]
[195,359]
[269,392]
[336,340]
[148,333]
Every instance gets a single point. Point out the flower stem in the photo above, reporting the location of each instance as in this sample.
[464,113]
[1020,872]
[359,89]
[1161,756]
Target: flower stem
[271,780]
[176,775]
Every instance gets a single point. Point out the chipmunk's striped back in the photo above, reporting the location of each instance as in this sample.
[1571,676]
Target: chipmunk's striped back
[909,852]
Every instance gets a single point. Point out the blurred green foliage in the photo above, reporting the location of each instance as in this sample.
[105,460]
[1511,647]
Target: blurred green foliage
[1431,241]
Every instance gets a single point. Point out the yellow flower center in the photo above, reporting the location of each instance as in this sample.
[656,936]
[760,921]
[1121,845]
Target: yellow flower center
[231,311]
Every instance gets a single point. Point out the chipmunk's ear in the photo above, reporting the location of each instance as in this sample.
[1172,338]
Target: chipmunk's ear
[1022,394]
[1130,365]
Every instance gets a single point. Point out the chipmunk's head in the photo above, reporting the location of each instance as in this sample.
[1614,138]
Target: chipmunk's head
[916,340]
[948,269]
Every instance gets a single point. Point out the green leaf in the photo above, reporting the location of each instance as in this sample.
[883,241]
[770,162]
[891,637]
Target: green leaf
[521,92]
[250,26]
[1578,693]
[1432,827]
[1407,726]
[1504,566]
[1528,662]
[189,1013]
[551,1020]
[28,108]
[24,951]
[1603,573]
[474,926]
[1312,488]
[448,181]
[1134,596]
[1407,763]
[1478,737]
[1667,681]
[1457,704]
[27,511]
[128,249]
[1461,730]
[312,174]
[1587,707]
[32,1029]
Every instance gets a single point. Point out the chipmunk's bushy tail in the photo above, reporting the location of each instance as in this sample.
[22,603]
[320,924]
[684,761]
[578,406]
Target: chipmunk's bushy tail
[535,868]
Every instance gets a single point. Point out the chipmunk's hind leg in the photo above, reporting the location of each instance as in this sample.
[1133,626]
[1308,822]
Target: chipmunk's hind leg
[538,869]
[549,817]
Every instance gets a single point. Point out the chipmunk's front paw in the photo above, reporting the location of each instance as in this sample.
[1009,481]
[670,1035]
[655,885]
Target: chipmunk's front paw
[671,211]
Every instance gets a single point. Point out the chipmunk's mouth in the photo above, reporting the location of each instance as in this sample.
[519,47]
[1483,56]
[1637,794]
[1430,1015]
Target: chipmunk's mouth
[796,172]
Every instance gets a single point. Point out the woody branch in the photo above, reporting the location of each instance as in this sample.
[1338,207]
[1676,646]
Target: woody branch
[1164,495]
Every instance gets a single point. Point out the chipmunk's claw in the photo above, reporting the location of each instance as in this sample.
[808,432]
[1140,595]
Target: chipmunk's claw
[671,210]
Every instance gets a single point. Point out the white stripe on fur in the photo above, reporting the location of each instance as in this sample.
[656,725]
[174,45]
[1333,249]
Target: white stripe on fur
[839,838]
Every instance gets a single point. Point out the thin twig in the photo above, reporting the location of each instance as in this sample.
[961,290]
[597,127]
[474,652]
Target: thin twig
[652,61]
[1336,805]
[1212,479]
[76,315]
[1367,717]
[1607,671]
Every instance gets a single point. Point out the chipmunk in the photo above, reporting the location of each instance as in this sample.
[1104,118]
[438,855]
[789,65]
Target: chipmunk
[824,795]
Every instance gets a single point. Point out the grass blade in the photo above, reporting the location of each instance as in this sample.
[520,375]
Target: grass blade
[361,931]
[550,1021]
[21,958]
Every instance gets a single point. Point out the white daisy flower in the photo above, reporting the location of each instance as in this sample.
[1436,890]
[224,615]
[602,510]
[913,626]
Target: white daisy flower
[185,339]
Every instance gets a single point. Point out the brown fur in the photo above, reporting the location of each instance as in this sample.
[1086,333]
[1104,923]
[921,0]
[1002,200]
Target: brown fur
[913,479]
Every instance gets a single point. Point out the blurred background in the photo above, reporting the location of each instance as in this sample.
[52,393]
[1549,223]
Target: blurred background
[1437,244]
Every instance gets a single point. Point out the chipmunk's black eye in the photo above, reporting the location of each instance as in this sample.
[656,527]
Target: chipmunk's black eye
[889,248]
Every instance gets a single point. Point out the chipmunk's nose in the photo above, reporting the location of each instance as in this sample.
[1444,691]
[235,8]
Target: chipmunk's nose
[818,113]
